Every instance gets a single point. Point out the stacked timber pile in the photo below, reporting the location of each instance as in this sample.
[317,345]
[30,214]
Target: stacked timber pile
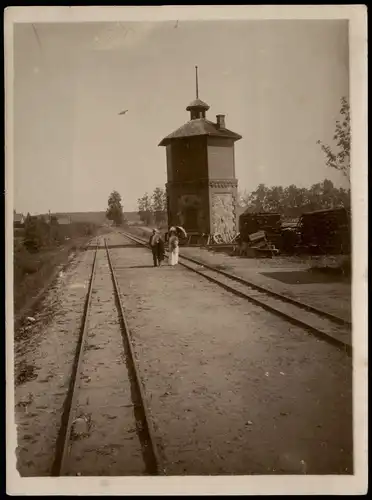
[326,230]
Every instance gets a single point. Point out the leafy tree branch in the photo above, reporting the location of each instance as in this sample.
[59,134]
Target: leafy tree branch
[338,157]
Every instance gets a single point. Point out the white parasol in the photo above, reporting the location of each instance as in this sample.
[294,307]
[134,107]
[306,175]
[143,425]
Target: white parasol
[182,231]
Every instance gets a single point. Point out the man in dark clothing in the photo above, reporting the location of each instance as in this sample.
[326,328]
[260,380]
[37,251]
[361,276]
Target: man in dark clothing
[161,250]
[157,247]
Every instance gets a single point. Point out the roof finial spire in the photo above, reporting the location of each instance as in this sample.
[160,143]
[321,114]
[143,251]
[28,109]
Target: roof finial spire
[197,84]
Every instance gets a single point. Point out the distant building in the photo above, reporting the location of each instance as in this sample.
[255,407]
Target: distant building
[201,187]
[63,220]
[18,220]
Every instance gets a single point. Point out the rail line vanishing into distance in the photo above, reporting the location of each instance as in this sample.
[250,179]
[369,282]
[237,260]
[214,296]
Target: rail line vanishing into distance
[123,423]
[323,325]
[107,426]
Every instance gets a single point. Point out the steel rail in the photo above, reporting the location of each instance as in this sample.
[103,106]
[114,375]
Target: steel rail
[160,468]
[63,441]
[295,321]
[64,437]
[276,295]
[284,298]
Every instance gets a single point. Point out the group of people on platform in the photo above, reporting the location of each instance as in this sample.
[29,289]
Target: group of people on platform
[157,246]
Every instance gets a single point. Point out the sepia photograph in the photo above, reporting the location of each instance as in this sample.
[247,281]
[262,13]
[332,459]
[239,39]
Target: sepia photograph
[184,200]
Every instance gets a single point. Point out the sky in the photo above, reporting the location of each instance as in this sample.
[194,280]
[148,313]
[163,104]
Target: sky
[279,83]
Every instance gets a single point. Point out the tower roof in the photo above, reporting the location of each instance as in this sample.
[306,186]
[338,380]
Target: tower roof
[197,104]
[200,127]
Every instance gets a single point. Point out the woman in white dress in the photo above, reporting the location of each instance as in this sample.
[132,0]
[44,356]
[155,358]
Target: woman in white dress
[173,247]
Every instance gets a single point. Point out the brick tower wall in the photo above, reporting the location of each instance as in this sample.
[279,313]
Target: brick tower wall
[187,187]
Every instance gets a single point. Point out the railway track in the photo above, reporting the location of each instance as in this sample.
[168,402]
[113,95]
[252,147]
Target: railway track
[105,427]
[325,326]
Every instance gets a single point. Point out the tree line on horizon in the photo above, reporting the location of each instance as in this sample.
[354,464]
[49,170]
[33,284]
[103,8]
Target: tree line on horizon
[41,232]
[152,208]
[292,201]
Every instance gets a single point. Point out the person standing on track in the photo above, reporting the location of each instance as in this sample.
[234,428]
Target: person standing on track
[161,250]
[173,247]
[157,247]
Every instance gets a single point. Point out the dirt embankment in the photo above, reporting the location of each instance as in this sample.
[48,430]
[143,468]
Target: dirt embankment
[44,353]
[35,272]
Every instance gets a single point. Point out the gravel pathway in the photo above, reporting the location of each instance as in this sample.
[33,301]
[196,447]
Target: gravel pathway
[232,389]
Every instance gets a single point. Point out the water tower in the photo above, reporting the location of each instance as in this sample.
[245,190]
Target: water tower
[201,184]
